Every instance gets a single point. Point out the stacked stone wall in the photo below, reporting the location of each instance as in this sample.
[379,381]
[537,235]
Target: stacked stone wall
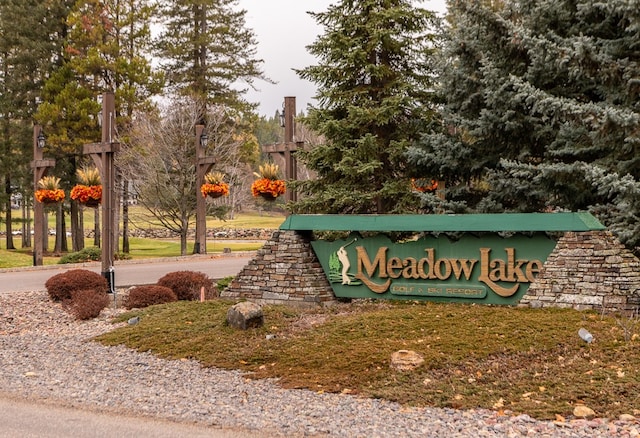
[587,270]
[212,233]
[285,269]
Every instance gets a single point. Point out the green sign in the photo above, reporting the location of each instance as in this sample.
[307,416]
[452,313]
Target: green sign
[486,269]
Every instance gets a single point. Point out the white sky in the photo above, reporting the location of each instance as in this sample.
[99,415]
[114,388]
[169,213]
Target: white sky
[283,29]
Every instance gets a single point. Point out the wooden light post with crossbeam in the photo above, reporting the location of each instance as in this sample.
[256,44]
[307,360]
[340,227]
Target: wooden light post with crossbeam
[203,165]
[289,147]
[103,155]
[40,167]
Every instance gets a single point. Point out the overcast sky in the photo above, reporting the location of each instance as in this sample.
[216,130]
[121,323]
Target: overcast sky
[283,29]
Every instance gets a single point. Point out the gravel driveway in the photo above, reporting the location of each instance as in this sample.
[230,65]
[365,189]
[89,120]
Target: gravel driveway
[45,355]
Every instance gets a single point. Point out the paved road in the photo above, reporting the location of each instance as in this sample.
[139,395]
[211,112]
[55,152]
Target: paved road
[20,419]
[128,273]
[24,419]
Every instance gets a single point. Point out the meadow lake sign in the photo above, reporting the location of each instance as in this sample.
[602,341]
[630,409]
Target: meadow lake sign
[492,259]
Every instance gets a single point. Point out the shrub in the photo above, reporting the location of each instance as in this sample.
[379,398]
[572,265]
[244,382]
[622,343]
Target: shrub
[61,286]
[84,255]
[143,296]
[224,282]
[86,303]
[186,285]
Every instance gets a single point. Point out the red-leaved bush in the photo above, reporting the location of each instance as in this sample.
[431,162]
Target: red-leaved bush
[61,286]
[148,295]
[186,285]
[86,303]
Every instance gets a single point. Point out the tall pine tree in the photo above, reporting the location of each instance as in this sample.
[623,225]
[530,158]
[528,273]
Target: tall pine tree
[208,52]
[105,46]
[374,78]
[25,62]
[543,109]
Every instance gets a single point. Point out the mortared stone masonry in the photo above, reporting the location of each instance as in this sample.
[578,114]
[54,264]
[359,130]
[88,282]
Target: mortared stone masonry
[284,270]
[586,270]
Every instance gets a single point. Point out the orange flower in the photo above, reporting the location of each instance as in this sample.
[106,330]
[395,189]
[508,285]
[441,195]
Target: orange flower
[87,194]
[269,187]
[215,190]
[49,196]
[424,185]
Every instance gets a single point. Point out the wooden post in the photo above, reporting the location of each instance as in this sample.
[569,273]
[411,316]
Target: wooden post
[203,165]
[287,149]
[102,155]
[39,166]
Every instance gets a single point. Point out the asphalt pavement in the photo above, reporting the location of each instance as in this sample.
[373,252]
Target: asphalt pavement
[127,272]
[26,419]
[23,419]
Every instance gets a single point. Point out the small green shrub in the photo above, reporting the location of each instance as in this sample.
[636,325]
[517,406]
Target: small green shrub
[86,303]
[60,286]
[90,254]
[224,282]
[186,285]
[148,295]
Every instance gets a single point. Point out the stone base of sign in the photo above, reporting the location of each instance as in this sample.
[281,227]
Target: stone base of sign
[587,270]
[284,270]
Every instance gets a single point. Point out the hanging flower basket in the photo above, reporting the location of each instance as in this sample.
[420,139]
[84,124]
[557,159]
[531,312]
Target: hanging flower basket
[269,186]
[424,185]
[90,196]
[215,190]
[214,185]
[49,196]
[89,191]
[49,191]
[269,189]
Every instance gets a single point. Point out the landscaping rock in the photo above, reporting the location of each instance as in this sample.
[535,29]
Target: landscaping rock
[583,411]
[245,315]
[406,360]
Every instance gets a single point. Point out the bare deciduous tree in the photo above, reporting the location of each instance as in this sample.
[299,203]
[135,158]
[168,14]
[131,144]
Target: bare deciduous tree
[161,160]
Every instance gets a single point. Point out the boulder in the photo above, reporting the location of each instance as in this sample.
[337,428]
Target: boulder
[245,315]
[406,360]
[583,411]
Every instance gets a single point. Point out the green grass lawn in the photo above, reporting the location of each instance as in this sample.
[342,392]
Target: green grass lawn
[148,248]
[501,358]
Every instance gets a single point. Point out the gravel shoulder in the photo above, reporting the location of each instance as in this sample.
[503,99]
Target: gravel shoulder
[48,357]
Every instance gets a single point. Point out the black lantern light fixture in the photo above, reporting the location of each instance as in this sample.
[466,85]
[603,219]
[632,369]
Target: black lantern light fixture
[204,139]
[41,140]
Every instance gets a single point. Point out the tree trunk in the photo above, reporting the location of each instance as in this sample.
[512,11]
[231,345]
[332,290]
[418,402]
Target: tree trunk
[183,236]
[77,232]
[45,232]
[9,221]
[96,227]
[183,243]
[57,247]
[61,231]
[26,224]
[125,216]
[64,245]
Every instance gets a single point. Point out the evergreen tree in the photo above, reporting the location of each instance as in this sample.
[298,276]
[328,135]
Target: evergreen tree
[374,78]
[542,109]
[105,47]
[268,130]
[207,51]
[25,61]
